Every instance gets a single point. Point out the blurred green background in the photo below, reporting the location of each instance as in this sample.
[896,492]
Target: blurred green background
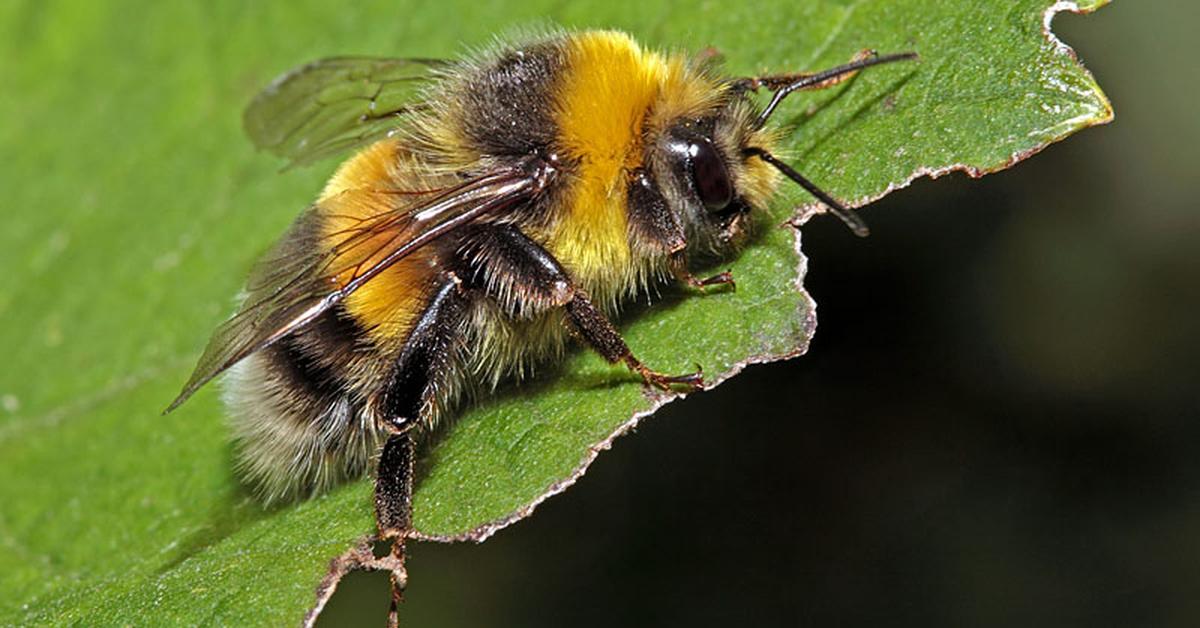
[998,423]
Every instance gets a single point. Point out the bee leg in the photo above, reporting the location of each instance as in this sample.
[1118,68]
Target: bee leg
[720,279]
[409,393]
[525,280]
[657,228]
[393,511]
[680,270]
[598,331]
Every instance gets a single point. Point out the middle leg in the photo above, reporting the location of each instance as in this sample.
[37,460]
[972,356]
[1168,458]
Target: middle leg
[525,280]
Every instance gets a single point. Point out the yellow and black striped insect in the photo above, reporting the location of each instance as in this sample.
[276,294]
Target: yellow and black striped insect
[501,203]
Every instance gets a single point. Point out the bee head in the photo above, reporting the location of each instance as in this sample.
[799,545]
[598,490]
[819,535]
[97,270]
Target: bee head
[713,172]
[711,162]
[707,182]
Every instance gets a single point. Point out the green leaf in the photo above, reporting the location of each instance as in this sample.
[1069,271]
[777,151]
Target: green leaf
[135,208]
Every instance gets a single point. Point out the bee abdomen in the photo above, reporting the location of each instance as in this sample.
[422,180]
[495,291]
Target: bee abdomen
[298,429]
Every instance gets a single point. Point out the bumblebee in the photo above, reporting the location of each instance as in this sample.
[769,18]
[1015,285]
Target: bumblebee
[502,203]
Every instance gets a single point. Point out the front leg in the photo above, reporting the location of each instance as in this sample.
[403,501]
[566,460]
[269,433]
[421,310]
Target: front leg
[679,267]
[526,280]
[657,228]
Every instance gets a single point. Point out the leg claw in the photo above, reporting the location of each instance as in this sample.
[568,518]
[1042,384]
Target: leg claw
[719,279]
[688,381]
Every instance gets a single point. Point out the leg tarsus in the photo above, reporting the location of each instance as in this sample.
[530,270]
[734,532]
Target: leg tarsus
[399,581]
[680,270]
[598,331]
[688,381]
[719,279]
[393,618]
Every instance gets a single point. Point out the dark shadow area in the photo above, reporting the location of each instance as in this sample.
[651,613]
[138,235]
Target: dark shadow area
[362,595]
[997,423]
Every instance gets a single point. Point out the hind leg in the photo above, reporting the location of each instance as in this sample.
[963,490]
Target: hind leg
[409,395]
[393,509]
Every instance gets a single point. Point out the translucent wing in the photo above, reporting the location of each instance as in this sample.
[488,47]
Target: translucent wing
[332,105]
[300,277]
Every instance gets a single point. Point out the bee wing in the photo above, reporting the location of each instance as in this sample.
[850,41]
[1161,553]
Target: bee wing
[299,278]
[331,105]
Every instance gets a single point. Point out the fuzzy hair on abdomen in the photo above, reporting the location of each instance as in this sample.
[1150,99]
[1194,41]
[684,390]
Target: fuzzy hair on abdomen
[295,441]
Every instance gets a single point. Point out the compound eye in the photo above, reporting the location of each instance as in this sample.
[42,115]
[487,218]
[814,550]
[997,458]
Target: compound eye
[710,176]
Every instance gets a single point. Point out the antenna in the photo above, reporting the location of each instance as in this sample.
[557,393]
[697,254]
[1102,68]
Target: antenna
[848,216]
